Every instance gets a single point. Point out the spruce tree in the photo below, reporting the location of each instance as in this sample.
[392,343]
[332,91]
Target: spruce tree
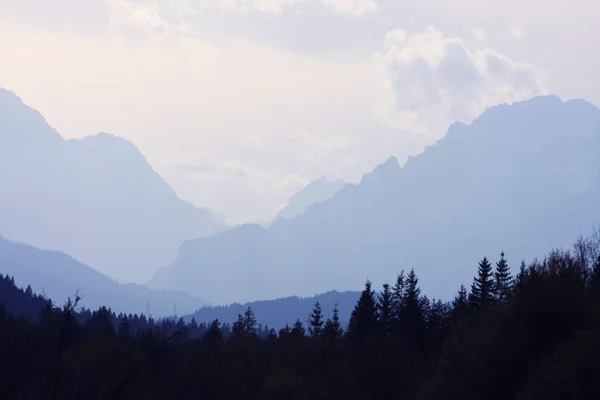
[249,322]
[460,304]
[333,328]
[238,328]
[298,329]
[483,286]
[521,278]
[316,321]
[213,335]
[412,313]
[503,281]
[398,295]
[384,305]
[363,320]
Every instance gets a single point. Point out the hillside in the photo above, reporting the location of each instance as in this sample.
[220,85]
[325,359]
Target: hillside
[277,313]
[58,276]
[521,178]
[96,198]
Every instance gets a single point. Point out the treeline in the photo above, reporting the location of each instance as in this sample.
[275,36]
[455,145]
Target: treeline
[530,335]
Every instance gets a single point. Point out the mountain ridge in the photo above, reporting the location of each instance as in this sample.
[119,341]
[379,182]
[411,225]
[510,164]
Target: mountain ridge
[96,198]
[487,183]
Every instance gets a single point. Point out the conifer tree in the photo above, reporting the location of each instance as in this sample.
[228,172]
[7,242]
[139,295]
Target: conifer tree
[333,328]
[285,331]
[412,313]
[363,320]
[213,335]
[503,281]
[482,289]
[521,278]
[316,321]
[249,322]
[298,329]
[398,295]
[460,304]
[384,305]
[238,327]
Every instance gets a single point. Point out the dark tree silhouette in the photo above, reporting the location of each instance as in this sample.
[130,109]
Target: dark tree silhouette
[384,305]
[316,321]
[503,281]
[482,295]
[363,320]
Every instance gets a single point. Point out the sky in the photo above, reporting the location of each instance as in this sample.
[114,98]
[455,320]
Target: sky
[240,103]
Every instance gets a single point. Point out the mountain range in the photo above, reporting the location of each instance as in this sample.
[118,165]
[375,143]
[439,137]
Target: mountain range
[521,178]
[97,198]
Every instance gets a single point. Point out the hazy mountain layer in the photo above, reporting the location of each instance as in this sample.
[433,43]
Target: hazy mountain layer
[96,198]
[59,276]
[520,179]
[277,313]
[315,192]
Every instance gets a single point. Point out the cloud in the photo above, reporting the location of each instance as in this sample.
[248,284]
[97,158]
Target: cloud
[430,81]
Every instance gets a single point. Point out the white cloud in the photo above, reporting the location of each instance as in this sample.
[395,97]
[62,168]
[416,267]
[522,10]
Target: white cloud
[430,81]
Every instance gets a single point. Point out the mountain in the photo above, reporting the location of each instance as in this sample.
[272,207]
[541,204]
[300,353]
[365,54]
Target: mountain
[522,178]
[96,198]
[277,313]
[59,276]
[315,192]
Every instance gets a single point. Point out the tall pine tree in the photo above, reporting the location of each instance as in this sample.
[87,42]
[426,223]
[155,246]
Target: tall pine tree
[460,304]
[482,294]
[503,281]
[316,321]
[384,305]
[412,313]
[333,328]
[363,320]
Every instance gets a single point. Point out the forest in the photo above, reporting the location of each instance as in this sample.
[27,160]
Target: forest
[529,331]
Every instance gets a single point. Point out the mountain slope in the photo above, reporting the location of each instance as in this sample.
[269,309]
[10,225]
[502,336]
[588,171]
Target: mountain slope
[59,276]
[315,192]
[521,179]
[96,198]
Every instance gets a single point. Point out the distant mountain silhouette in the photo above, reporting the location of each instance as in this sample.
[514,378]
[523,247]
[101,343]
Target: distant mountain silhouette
[96,198]
[277,313]
[59,276]
[521,178]
[315,192]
